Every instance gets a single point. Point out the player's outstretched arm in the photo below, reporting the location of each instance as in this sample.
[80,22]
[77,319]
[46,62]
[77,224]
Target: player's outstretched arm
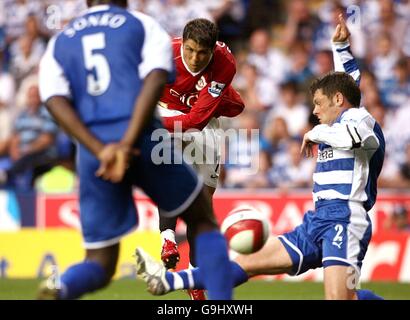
[343,59]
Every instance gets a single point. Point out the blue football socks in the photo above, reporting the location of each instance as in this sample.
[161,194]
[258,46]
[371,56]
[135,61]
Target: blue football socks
[367,295]
[215,272]
[192,278]
[213,262]
[81,278]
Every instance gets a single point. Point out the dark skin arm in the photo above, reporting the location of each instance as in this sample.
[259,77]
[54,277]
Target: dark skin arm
[63,112]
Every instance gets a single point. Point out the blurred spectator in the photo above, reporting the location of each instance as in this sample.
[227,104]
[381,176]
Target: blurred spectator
[291,169]
[27,54]
[150,7]
[388,20]
[378,111]
[398,220]
[274,143]
[396,90]
[301,24]
[229,16]
[270,62]
[261,14]
[32,143]
[242,153]
[7,91]
[300,71]
[405,168]
[16,14]
[385,58]
[174,14]
[397,177]
[258,93]
[322,63]
[289,108]
[370,97]
[367,80]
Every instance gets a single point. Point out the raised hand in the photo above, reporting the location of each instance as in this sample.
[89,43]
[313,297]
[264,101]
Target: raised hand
[341,33]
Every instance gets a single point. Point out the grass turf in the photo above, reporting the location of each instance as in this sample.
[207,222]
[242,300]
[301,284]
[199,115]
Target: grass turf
[11,289]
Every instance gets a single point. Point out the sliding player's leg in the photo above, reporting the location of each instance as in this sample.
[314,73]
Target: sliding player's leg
[272,259]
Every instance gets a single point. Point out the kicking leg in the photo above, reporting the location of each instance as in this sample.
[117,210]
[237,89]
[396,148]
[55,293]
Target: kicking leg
[209,191]
[169,252]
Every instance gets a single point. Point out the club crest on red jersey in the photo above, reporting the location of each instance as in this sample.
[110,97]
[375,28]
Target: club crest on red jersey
[201,84]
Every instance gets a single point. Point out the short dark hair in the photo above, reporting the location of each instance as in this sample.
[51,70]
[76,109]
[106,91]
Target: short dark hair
[202,31]
[338,82]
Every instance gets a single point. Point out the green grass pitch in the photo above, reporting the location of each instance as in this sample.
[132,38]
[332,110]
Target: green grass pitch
[253,290]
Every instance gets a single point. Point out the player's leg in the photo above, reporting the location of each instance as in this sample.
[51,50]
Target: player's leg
[107,213]
[209,191]
[177,190]
[340,284]
[344,246]
[94,273]
[169,249]
[272,259]
[167,225]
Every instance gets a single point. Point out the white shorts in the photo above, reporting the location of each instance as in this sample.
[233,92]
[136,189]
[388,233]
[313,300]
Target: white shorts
[203,152]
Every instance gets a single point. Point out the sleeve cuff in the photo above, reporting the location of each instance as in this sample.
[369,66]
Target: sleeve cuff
[340,45]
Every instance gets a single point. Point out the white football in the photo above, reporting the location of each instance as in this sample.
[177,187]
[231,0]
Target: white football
[246,230]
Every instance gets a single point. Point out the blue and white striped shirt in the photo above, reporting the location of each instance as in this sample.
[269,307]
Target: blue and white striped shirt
[351,151]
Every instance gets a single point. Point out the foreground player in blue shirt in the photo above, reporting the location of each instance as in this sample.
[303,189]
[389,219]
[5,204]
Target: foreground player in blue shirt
[101,79]
[336,234]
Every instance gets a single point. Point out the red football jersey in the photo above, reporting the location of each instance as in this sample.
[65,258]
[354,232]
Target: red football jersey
[204,95]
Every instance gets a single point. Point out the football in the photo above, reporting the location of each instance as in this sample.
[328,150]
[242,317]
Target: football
[246,230]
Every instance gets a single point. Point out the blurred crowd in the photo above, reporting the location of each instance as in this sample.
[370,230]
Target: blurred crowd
[280,47]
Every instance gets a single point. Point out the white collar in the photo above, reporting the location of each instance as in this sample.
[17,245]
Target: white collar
[100,7]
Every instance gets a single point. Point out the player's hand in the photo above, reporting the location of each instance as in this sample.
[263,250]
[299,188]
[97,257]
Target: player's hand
[307,146]
[341,33]
[114,162]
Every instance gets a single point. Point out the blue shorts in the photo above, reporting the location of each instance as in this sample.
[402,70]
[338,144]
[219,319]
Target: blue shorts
[336,233]
[108,210]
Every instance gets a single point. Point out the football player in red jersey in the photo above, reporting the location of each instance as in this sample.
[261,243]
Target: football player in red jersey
[201,93]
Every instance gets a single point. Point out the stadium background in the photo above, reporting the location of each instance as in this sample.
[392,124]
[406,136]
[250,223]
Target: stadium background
[280,46]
